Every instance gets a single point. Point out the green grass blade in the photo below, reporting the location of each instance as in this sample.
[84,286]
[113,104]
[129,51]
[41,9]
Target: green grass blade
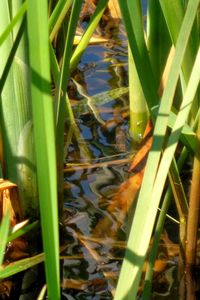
[174,137]
[168,7]
[62,107]
[24,264]
[158,39]
[54,65]
[57,16]
[44,137]
[88,34]
[60,97]
[21,265]
[168,156]
[13,22]
[8,92]
[188,137]
[23,231]
[167,98]
[158,231]
[176,130]
[42,294]
[140,233]
[180,197]
[146,295]
[138,48]
[11,56]
[4,230]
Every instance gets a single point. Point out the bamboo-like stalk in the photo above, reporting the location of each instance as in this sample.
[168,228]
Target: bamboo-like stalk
[135,32]
[57,17]
[192,222]
[137,103]
[158,43]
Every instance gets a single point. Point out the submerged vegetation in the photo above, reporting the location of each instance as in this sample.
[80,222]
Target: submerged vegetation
[47,146]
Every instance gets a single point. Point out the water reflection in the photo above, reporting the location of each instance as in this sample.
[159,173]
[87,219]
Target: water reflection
[97,233]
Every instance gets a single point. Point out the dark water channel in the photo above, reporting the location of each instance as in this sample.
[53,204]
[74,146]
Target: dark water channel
[90,190]
[95,243]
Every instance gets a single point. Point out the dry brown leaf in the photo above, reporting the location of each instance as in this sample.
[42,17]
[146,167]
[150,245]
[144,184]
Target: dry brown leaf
[123,199]
[9,200]
[77,284]
[16,250]
[139,159]
[5,289]
[114,9]
[81,285]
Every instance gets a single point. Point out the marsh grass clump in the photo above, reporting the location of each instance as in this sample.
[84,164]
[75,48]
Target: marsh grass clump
[38,51]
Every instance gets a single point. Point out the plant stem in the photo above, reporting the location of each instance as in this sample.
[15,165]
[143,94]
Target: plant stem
[138,106]
[193,218]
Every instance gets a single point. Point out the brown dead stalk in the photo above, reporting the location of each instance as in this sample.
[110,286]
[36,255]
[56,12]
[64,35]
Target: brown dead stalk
[192,222]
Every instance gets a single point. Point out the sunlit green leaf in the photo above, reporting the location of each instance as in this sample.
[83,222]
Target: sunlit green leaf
[13,22]
[4,229]
[140,233]
[44,137]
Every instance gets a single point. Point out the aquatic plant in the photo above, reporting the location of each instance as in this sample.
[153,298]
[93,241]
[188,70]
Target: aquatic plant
[163,61]
[32,125]
[160,162]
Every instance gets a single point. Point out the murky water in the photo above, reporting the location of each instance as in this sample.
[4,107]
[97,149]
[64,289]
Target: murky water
[96,238]
[89,190]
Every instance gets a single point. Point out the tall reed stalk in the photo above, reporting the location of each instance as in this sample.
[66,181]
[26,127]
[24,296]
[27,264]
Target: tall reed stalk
[163,147]
[138,107]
